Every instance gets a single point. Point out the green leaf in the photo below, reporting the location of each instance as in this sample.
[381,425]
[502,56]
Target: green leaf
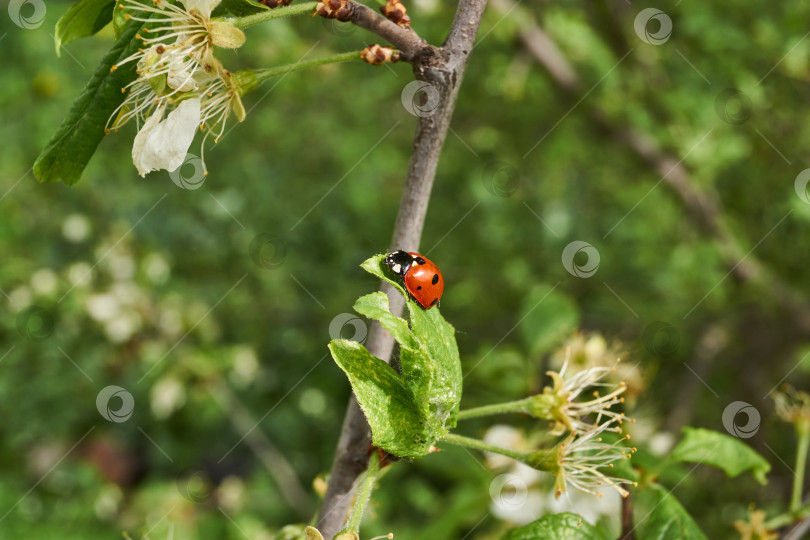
[417,367]
[82,20]
[396,421]
[564,526]
[375,266]
[80,133]
[437,338]
[444,384]
[431,368]
[240,8]
[549,317]
[375,306]
[720,450]
[665,517]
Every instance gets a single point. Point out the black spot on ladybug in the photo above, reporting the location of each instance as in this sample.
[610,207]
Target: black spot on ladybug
[434,301]
[419,288]
[419,260]
[435,279]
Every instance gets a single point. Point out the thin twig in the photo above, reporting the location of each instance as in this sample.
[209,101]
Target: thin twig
[271,457]
[798,530]
[411,47]
[627,519]
[712,342]
[443,69]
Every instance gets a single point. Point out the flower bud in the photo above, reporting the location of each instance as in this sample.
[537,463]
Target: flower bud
[376,55]
[395,11]
[335,9]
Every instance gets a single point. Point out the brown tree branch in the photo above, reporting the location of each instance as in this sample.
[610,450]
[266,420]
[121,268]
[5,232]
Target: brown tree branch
[443,69]
[627,519]
[408,42]
[410,46]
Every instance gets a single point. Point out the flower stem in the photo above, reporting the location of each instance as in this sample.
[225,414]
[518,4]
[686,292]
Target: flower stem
[249,79]
[460,440]
[803,432]
[519,406]
[364,494]
[786,518]
[270,14]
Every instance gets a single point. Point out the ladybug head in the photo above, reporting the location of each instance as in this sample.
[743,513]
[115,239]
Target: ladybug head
[399,262]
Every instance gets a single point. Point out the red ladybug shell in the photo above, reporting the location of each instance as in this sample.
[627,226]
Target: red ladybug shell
[424,281]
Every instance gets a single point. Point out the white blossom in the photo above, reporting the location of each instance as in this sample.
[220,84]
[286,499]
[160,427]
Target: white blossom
[177,75]
[163,144]
[560,404]
[180,37]
[585,459]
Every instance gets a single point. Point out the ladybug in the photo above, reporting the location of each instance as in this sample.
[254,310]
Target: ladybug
[422,278]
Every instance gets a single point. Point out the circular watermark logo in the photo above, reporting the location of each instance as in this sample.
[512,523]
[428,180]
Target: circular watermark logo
[338,28]
[420,98]
[35,323]
[800,185]
[191,174]
[508,491]
[124,411]
[28,14]
[661,339]
[733,106]
[339,322]
[500,178]
[653,26]
[268,251]
[752,419]
[195,487]
[583,269]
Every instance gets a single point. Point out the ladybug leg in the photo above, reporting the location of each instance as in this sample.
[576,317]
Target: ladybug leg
[408,294]
[385,458]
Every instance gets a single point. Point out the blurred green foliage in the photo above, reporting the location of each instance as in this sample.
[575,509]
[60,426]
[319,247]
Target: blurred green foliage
[152,288]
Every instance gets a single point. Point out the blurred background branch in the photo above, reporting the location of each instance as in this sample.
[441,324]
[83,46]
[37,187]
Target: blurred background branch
[702,204]
[268,454]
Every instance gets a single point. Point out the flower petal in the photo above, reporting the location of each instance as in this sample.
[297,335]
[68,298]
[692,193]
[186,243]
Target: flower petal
[165,145]
[205,7]
[179,78]
[139,145]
